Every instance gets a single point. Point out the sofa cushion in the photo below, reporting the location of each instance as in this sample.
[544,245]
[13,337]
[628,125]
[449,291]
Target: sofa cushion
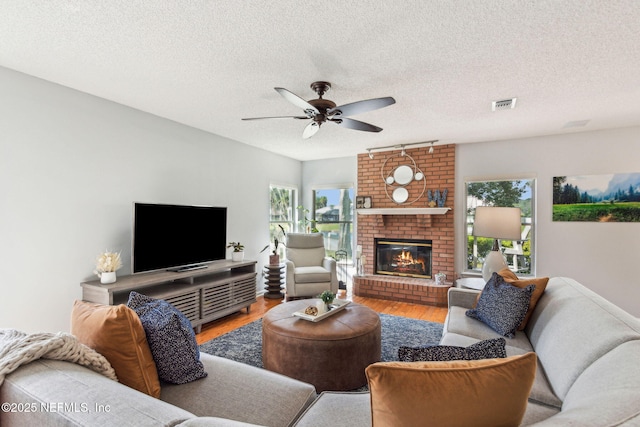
[501,306]
[171,339]
[345,408]
[494,392]
[312,274]
[572,327]
[67,394]
[117,333]
[303,257]
[541,391]
[487,349]
[458,323]
[540,284]
[241,392]
[607,390]
[214,422]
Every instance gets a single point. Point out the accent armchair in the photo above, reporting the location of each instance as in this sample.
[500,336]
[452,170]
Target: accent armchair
[309,271]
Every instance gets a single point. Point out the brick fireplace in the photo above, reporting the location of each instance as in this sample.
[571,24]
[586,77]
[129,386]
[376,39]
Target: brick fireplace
[404,222]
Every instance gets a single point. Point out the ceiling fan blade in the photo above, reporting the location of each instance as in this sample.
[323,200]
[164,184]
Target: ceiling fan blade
[356,124]
[276,117]
[297,101]
[359,107]
[310,130]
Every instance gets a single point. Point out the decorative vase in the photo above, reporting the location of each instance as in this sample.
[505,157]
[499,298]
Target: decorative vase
[321,306]
[274,259]
[108,277]
[237,256]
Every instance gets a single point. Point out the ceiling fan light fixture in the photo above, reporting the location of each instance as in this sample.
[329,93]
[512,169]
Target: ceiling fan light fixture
[322,110]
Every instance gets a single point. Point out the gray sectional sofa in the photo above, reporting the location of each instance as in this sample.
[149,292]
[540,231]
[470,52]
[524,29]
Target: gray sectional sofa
[588,360]
[588,375]
[57,393]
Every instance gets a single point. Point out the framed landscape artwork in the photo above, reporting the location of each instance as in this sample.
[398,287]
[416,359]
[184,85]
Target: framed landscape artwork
[597,198]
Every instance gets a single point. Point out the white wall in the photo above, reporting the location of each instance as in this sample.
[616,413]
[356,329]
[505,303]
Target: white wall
[326,173]
[605,257]
[71,165]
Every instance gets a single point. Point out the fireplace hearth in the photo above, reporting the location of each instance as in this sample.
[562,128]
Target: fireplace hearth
[403,257]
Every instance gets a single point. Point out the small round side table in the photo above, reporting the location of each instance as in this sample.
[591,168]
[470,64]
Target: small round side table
[274,279]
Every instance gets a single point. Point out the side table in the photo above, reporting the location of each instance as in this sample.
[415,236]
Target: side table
[274,279]
[476,283]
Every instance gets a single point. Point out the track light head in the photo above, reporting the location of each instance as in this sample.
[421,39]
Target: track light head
[431,149]
[370,155]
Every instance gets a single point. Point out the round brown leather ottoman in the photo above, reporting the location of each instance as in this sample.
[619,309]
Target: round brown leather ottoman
[331,354]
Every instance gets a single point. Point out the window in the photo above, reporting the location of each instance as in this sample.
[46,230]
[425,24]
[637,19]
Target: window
[333,217]
[505,193]
[281,212]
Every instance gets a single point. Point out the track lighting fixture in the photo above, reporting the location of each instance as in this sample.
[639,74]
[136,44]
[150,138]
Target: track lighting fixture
[403,153]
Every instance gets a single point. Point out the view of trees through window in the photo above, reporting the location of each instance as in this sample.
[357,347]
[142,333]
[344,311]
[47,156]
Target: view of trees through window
[281,213]
[333,217]
[507,193]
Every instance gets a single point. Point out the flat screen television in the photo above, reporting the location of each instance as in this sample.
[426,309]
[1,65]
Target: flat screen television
[177,237]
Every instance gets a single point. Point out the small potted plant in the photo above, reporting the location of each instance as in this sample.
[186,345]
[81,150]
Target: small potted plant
[107,264]
[238,251]
[327,297]
[274,258]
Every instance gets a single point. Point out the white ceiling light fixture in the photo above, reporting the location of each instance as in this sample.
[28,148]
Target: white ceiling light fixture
[505,104]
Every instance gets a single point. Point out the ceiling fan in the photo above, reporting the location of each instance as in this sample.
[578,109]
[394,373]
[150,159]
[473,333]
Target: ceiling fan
[323,110]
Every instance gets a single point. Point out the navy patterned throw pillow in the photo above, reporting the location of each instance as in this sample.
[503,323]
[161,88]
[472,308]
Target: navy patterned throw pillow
[487,349]
[171,339]
[501,306]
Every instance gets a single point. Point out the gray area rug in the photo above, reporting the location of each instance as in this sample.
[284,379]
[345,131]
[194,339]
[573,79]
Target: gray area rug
[245,343]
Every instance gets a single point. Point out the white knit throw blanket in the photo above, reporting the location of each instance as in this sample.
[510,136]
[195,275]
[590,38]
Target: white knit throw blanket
[18,348]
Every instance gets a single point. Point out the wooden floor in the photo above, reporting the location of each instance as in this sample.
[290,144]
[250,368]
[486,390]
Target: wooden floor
[259,308]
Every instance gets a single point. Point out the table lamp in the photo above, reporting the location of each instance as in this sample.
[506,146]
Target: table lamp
[499,223]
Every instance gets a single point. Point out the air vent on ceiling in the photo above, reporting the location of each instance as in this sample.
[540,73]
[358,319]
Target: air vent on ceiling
[505,104]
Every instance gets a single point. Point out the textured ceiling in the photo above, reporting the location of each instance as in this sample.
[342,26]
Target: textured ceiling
[209,63]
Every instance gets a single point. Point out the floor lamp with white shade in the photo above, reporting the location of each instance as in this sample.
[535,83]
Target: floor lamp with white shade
[498,223]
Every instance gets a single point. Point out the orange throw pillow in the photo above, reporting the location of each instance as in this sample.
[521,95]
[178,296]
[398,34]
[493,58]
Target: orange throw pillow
[539,282]
[479,393]
[116,332]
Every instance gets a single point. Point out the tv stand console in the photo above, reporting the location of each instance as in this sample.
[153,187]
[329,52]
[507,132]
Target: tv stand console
[203,295]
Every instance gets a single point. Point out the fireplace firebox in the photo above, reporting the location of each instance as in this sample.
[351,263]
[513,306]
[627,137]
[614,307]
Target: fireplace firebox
[403,257]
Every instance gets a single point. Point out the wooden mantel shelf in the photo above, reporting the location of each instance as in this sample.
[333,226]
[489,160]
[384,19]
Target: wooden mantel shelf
[423,214]
[404,211]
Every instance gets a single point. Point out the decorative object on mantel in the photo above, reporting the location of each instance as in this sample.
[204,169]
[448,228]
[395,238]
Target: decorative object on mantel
[107,264]
[399,177]
[440,278]
[238,251]
[499,223]
[363,202]
[437,198]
